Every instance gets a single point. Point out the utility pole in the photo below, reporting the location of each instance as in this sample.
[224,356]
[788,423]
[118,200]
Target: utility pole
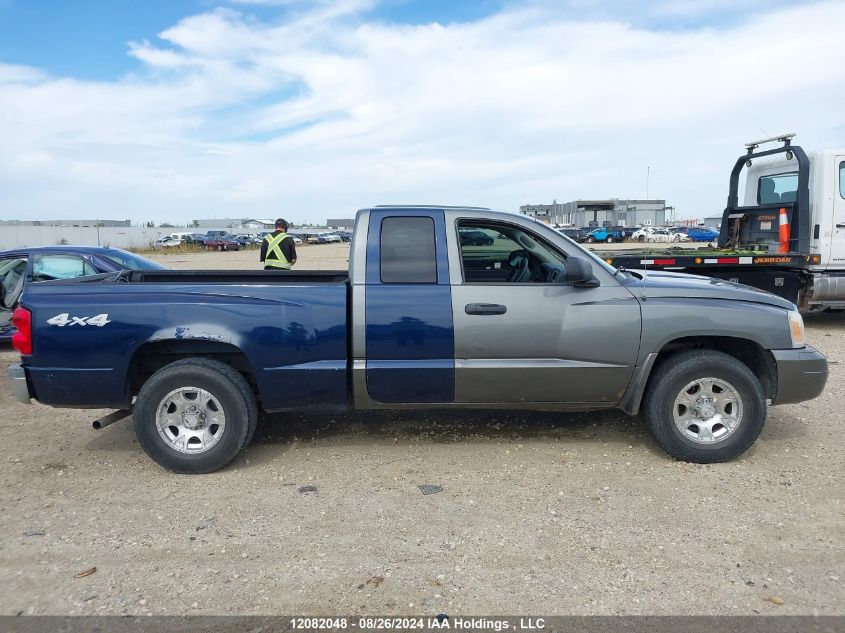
[647,176]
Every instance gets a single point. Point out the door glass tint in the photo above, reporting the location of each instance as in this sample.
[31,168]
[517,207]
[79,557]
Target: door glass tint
[842,179]
[407,251]
[504,253]
[777,188]
[60,267]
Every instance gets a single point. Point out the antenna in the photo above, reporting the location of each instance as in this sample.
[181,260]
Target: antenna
[645,276]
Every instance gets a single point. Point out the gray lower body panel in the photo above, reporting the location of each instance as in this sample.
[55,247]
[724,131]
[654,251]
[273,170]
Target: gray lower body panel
[18,383]
[802,374]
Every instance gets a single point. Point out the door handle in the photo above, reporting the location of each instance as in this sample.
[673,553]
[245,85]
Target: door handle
[841,225]
[485,308]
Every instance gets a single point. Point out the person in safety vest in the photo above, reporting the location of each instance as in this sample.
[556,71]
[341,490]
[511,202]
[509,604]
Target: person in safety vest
[278,252]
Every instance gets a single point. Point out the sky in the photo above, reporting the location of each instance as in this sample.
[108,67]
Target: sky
[173,110]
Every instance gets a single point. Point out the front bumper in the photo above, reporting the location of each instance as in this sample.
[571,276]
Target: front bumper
[19,384]
[802,374]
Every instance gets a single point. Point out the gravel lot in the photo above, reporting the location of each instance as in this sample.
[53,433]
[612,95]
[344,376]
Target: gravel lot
[540,513]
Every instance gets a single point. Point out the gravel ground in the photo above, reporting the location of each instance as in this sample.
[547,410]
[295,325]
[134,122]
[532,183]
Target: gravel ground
[539,513]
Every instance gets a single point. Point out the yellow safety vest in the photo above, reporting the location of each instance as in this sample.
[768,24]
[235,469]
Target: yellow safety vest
[274,256]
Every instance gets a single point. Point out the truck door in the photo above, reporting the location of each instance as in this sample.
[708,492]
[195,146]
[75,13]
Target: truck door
[524,335]
[410,347]
[837,242]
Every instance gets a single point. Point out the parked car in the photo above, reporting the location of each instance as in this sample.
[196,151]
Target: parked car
[628,231]
[542,324]
[247,240]
[666,235]
[195,238]
[698,233]
[642,233]
[23,265]
[475,238]
[573,233]
[316,238]
[296,240]
[167,242]
[332,237]
[222,243]
[604,234]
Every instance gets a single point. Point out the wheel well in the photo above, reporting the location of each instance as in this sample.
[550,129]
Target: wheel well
[151,357]
[752,355]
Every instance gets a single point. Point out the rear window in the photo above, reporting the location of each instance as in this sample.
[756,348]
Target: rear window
[407,251]
[61,267]
[777,188]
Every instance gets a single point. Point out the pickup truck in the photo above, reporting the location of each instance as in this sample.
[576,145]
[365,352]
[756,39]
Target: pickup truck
[605,234]
[420,320]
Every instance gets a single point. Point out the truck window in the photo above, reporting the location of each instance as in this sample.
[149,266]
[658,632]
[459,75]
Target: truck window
[504,253]
[777,188]
[842,179]
[408,255]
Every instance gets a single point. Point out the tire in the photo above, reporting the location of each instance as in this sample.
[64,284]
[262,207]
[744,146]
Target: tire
[676,239]
[641,238]
[220,248]
[228,392]
[668,385]
[591,240]
[610,240]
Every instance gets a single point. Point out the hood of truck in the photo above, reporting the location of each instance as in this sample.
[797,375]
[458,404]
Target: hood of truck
[663,284]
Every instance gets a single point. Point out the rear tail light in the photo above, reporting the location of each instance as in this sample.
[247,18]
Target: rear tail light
[22,338]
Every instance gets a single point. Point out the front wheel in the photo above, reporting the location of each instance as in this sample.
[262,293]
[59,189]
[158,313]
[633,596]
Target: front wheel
[590,240]
[610,240]
[704,406]
[195,415]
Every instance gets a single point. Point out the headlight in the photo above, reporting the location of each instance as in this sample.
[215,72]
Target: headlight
[796,328]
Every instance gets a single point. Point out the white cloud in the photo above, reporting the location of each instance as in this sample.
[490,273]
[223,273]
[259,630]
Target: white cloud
[324,111]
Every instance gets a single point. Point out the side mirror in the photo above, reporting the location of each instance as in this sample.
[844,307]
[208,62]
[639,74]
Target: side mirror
[579,272]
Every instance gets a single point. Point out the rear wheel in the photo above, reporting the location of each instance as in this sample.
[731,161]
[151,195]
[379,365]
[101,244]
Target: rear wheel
[610,240]
[704,406]
[591,240]
[195,415]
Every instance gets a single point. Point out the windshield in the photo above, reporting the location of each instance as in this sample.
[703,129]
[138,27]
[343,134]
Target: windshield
[543,227]
[132,261]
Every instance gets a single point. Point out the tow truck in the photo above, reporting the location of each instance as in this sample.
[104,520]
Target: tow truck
[787,236]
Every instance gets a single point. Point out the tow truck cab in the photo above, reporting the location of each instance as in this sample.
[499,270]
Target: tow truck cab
[783,229]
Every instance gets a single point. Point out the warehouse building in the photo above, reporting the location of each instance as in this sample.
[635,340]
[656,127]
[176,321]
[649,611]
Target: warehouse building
[95,223]
[341,223]
[607,212]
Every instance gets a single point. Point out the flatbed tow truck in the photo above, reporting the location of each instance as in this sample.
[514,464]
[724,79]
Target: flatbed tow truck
[788,236]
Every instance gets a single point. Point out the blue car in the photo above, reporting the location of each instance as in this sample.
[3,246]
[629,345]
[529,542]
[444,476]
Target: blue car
[23,265]
[699,233]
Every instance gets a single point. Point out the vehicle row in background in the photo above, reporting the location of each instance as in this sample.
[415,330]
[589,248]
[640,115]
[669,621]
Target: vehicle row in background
[611,234]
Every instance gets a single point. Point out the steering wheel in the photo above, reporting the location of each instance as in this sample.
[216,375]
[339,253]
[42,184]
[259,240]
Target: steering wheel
[519,261]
